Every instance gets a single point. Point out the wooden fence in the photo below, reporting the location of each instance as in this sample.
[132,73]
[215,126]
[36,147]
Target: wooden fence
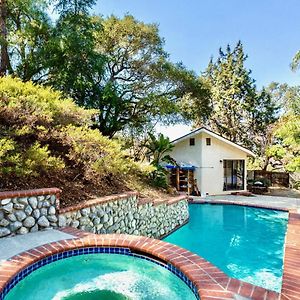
[276,178]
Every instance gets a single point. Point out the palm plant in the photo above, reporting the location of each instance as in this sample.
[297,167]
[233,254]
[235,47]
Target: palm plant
[158,149]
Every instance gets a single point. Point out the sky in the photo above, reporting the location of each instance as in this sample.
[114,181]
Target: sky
[194,30]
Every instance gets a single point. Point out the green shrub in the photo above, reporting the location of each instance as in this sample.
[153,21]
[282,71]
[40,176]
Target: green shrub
[95,153]
[38,158]
[297,185]
[41,132]
[159,178]
[32,105]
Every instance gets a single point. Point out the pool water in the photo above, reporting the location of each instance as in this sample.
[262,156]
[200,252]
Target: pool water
[101,276]
[96,295]
[245,243]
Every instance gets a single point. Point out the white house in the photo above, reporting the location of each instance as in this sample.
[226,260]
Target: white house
[218,165]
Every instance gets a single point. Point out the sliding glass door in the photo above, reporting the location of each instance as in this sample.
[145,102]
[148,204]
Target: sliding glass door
[234,175]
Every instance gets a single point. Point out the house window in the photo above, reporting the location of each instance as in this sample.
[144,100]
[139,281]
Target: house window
[208,141]
[234,175]
[192,142]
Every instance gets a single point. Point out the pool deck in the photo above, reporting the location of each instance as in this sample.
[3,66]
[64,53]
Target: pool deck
[255,200]
[211,283]
[11,246]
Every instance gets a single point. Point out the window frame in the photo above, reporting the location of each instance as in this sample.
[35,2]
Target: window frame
[192,141]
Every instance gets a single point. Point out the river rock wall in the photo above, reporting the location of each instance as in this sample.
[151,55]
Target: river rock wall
[128,215]
[29,211]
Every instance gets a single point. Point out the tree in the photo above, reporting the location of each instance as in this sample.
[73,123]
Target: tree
[286,97]
[4,63]
[74,66]
[282,149]
[286,147]
[239,112]
[124,72]
[159,148]
[117,66]
[295,64]
[27,30]
[140,84]
[73,7]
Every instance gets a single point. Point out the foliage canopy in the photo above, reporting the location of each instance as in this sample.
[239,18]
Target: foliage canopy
[41,132]
[239,111]
[116,65]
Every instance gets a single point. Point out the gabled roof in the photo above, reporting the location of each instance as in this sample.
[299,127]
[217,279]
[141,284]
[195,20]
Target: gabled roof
[215,135]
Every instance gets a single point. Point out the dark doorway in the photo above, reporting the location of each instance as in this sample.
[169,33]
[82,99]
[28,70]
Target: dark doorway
[234,175]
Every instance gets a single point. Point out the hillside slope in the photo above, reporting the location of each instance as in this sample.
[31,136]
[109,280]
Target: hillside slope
[46,141]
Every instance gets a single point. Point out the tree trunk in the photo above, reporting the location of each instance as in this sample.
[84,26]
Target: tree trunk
[266,163]
[4,63]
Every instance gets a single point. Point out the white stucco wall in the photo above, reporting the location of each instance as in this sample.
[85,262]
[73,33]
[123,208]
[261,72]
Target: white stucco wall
[212,173]
[209,172]
[183,152]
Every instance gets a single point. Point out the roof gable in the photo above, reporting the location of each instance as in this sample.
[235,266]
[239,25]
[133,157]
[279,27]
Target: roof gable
[215,135]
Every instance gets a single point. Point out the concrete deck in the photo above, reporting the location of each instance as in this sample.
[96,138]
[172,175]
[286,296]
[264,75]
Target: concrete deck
[11,246]
[272,201]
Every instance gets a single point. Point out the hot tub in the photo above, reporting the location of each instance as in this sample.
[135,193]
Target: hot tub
[99,273]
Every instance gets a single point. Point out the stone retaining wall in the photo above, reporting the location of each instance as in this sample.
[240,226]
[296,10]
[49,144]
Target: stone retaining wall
[28,211]
[125,214]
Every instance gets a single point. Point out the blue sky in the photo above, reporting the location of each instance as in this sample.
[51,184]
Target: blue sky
[195,29]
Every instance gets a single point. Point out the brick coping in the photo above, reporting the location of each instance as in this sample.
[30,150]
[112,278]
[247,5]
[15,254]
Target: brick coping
[98,200]
[111,198]
[291,275]
[210,282]
[26,193]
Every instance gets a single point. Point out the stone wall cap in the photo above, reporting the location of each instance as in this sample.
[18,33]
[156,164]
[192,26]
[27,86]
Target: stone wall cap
[176,199]
[97,201]
[26,193]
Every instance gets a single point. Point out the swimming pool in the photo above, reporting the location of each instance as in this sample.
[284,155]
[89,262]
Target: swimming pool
[101,276]
[244,242]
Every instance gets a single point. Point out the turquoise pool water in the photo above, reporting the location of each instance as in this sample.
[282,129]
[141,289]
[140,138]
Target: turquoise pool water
[245,243]
[101,277]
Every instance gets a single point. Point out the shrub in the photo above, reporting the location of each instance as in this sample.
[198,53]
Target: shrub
[33,105]
[33,161]
[42,132]
[94,153]
[159,178]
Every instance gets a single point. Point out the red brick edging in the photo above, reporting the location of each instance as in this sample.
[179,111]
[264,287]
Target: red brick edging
[210,282]
[240,203]
[96,201]
[26,193]
[291,272]
[111,198]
